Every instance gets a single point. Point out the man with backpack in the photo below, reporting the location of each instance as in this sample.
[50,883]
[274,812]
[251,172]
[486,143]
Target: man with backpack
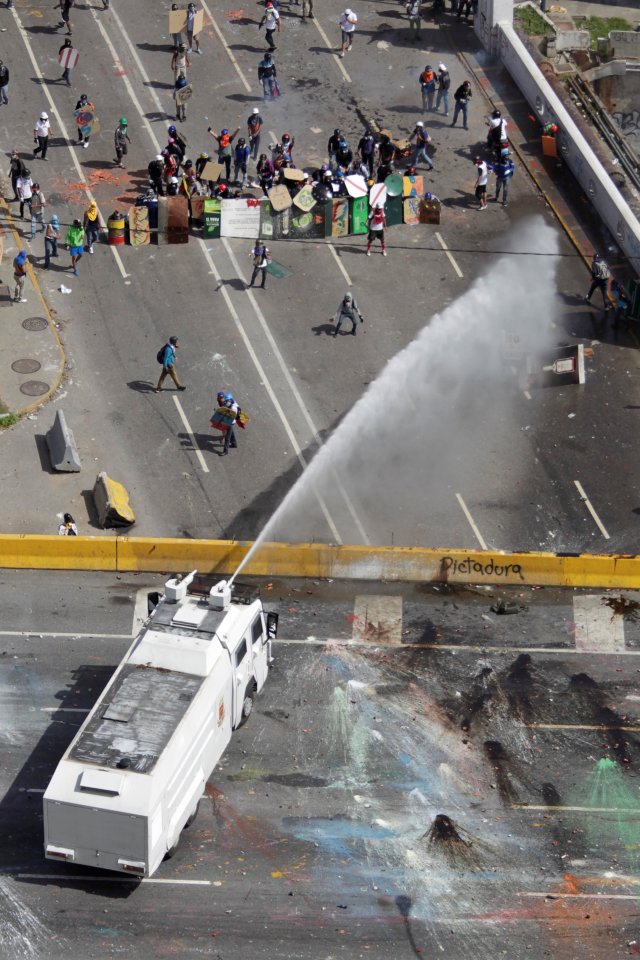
[167,357]
[427,81]
[413,13]
[600,274]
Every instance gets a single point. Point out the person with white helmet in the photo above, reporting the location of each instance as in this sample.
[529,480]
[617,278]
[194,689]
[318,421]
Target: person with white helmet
[444,84]
[348,310]
[254,126]
[41,133]
[348,20]
[156,171]
[422,139]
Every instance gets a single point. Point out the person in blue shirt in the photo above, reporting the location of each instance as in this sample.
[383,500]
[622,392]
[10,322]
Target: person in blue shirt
[241,155]
[169,364]
[504,171]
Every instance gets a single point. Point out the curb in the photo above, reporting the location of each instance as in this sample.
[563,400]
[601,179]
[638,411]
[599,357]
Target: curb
[36,404]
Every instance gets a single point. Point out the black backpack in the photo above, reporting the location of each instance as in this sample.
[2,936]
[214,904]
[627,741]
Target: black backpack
[160,354]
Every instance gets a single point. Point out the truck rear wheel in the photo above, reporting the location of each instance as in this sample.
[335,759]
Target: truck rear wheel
[247,705]
[170,852]
[193,815]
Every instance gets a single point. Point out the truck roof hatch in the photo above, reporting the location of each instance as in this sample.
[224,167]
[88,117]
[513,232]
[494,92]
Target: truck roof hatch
[101,781]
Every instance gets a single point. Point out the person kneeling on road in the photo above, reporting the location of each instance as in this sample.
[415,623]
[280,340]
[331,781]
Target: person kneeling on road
[348,310]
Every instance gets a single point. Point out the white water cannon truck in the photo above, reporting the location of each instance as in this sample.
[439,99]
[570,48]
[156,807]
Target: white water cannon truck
[133,776]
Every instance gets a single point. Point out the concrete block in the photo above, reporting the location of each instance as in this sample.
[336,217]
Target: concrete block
[112,503]
[572,40]
[62,446]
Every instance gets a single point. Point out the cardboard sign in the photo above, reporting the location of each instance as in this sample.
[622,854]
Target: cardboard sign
[280,198]
[340,217]
[430,211]
[139,235]
[291,173]
[183,94]
[412,186]
[304,200]
[359,214]
[411,209]
[378,194]
[238,218]
[211,171]
[356,185]
[68,58]
[198,22]
[177,21]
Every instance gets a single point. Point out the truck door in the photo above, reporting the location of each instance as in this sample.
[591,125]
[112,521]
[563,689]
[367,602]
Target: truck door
[260,650]
[243,676]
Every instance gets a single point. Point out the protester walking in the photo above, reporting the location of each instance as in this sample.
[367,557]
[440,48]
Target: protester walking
[348,20]
[17,169]
[37,205]
[348,310]
[74,238]
[503,170]
[254,126]
[121,140]
[65,13]
[176,37]
[4,83]
[443,86]
[376,222]
[271,23]
[482,176]
[427,81]
[19,276]
[600,274]
[181,95]
[225,418]
[167,357]
[41,133]
[462,96]
[367,150]
[51,237]
[225,147]
[83,106]
[240,159]
[414,16]
[261,259]
[192,38]
[267,75]
[24,187]
[67,58]
[180,61]
[422,139]
[266,173]
[91,225]
[307,10]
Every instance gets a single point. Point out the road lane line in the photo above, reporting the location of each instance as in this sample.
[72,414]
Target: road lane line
[224,43]
[140,610]
[192,437]
[580,896]
[73,636]
[63,130]
[71,878]
[527,394]
[472,524]
[334,531]
[64,710]
[596,629]
[542,806]
[580,726]
[452,259]
[331,48]
[589,506]
[339,262]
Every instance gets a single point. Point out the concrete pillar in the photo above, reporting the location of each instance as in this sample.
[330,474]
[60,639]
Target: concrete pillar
[490,14]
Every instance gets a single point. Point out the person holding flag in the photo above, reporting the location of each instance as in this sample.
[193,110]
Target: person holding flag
[226,417]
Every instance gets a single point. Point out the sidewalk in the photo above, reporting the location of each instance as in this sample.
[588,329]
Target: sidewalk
[32,355]
[583,8]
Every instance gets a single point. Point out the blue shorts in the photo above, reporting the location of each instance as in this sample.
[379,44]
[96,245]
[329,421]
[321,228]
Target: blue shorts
[76,251]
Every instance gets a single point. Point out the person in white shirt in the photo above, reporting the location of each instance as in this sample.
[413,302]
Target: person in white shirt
[192,38]
[271,22]
[481,182]
[348,20]
[41,132]
[261,256]
[68,527]
[24,189]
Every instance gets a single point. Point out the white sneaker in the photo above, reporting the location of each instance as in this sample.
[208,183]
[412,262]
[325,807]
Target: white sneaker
[21,300]
[85,144]
[91,249]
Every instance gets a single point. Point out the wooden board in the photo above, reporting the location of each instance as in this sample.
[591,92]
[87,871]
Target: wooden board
[139,235]
[290,173]
[280,198]
[173,220]
[177,21]
[211,171]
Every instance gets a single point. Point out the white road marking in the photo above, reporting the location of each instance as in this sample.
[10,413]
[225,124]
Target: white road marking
[472,523]
[467,647]
[377,619]
[330,47]
[73,636]
[527,394]
[71,878]
[452,260]
[580,726]
[187,426]
[339,262]
[541,806]
[63,131]
[63,710]
[226,47]
[589,506]
[597,630]
[581,896]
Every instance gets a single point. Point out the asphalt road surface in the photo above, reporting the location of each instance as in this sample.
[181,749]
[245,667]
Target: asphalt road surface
[420,777]
[478,461]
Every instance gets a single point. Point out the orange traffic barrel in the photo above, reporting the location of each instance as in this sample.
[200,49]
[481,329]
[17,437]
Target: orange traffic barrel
[116,229]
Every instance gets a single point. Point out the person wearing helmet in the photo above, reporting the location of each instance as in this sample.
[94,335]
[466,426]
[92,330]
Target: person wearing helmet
[120,141]
[84,106]
[254,126]
[271,23]
[224,418]
[367,150]
[180,61]
[444,85]
[173,186]
[285,148]
[344,155]
[482,177]
[261,256]
[422,138]
[348,310]
[156,170]
[51,237]
[240,158]
[24,188]
[19,276]
[462,96]
[376,222]
[68,527]
[179,138]
[181,93]
[347,21]
[41,133]
[225,147]
[332,145]
[267,74]
[74,238]
[266,173]
[427,81]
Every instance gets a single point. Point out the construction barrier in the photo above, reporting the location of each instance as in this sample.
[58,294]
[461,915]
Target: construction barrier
[313,560]
[112,502]
[63,451]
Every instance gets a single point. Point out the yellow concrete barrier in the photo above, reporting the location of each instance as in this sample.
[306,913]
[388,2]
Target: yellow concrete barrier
[33,552]
[318,560]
